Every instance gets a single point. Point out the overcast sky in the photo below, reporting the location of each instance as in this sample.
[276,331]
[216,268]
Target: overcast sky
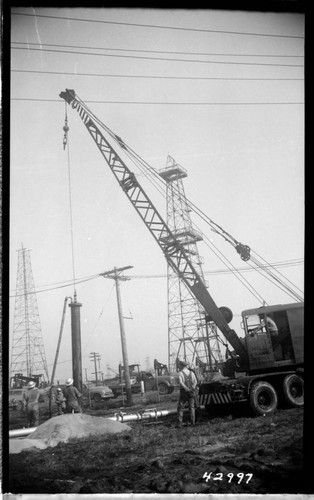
[231,114]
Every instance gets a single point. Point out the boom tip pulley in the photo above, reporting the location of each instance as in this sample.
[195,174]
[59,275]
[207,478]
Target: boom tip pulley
[244,251]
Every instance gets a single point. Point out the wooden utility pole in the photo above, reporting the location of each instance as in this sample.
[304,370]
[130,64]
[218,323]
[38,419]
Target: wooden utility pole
[94,356]
[114,274]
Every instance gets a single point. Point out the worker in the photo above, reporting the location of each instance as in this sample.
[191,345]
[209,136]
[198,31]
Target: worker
[60,401]
[30,404]
[72,396]
[188,383]
[272,328]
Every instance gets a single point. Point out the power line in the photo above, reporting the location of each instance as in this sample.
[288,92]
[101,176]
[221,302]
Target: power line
[150,76]
[154,51]
[157,58]
[156,26]
[69,283]
[63,284]
[169,103]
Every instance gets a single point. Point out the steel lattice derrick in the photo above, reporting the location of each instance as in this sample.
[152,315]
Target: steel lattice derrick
[188,335]
[27,348]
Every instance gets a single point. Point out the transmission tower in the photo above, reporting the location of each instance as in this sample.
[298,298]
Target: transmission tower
[27,351]
[190,335]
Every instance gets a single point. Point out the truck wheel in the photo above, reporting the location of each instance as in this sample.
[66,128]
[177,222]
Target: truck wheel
[263,398]
[293,390]
[97,398]
[162,389]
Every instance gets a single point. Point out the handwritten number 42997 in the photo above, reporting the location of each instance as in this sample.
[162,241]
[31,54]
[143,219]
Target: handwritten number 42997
[219,476]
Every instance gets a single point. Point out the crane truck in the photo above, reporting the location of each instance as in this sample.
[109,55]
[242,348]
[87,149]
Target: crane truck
[266,366]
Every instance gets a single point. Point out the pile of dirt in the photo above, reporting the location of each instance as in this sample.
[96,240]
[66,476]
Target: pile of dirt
[18,445]
[64,427]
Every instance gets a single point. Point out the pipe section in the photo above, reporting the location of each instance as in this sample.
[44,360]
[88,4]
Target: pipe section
[118,417]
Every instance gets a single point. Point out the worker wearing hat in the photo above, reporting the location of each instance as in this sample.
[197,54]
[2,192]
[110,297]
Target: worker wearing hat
[60,401]
[72,396]
[30,403]
[188,383]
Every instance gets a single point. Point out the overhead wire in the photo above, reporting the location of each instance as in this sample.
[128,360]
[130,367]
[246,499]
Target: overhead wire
[200,61]
[51,288]
[159,77]
[62,284]
[179,28]
[224,54]
[170,103]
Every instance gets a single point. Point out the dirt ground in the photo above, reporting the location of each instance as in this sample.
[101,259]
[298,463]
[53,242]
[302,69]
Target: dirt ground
[219,455]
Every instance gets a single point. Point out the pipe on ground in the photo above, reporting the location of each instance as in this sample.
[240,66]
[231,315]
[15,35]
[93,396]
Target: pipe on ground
[118,417]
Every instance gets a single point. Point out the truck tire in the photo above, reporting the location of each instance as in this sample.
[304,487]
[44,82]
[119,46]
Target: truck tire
[293,390]
[263,398]
[162,389]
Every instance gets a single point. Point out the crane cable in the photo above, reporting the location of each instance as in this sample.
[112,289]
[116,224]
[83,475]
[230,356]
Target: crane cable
[219,230]
[67,147]
[260,266]
[147,170]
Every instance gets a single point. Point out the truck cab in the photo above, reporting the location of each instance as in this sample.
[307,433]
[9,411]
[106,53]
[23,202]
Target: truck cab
[274,337]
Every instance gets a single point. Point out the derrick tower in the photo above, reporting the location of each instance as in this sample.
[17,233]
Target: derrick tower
[27,348]
[191,336]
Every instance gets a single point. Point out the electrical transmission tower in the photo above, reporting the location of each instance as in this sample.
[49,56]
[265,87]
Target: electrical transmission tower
[27,350]
[191,336]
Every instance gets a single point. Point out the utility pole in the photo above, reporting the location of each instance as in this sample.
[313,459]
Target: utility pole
[114,274]
[94,357]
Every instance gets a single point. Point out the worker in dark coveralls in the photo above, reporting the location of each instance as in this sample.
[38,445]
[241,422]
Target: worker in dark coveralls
[188,383]
[72,396]
[60,401]
[30,402]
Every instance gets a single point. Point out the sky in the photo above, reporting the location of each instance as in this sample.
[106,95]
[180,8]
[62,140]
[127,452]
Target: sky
[221,92]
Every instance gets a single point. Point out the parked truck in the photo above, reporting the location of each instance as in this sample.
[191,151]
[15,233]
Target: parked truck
[165,384]
[261,370]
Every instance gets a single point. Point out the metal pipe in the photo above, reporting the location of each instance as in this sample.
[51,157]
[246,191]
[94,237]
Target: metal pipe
[129,417]
[21,432]
[76,345]
[118,417]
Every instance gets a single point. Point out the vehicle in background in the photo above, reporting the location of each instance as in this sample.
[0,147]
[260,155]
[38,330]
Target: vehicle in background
[19,381]
[97,393]
[165,384]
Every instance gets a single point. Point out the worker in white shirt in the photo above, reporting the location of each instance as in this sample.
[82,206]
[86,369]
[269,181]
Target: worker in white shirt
[188,392]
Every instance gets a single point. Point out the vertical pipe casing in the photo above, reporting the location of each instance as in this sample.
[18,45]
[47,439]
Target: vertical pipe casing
[76,344]
[128,389]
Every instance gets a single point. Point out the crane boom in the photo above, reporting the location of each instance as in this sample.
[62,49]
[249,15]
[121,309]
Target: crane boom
[171,247]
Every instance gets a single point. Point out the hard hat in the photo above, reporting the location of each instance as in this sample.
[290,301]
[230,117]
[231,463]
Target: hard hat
[183,363]
[69,381]
[30,385]
[59,389]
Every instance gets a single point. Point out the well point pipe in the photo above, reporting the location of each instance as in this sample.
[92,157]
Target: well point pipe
[21,432]
[118,417]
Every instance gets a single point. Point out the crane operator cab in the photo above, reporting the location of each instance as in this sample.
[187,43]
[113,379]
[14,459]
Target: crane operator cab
[274,336]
